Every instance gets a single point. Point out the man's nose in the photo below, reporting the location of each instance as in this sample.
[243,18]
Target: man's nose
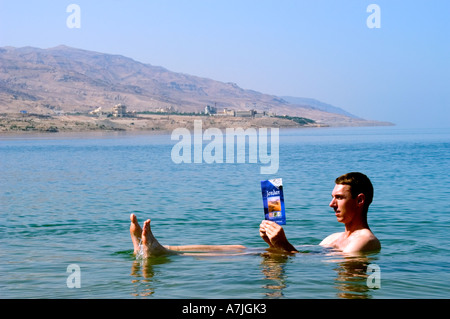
[333,203]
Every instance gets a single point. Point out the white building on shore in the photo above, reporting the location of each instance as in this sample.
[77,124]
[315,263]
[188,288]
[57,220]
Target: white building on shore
[119,110]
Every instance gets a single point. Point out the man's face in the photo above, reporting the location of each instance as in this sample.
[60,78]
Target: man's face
[345,207]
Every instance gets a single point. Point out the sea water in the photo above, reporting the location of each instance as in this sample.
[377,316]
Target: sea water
[65,202]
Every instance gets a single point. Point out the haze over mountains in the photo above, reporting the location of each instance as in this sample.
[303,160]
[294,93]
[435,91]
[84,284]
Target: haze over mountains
[64,79]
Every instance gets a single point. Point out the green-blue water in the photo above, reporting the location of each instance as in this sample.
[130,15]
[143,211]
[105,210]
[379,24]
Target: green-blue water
[66,200]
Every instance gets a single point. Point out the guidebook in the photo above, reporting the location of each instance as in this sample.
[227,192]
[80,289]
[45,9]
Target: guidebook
[273,200]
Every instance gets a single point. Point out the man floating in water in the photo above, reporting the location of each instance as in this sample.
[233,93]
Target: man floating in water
[351,197]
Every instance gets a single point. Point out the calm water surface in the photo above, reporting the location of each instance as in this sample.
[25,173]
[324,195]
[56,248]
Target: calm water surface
[66,199]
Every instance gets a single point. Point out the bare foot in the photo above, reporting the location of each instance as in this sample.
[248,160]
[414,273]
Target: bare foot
[135,232]
[151,247]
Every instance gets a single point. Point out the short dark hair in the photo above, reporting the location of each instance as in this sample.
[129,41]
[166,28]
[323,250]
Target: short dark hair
[359,183]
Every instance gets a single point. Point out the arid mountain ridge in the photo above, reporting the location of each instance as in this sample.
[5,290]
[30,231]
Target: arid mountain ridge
[65,79]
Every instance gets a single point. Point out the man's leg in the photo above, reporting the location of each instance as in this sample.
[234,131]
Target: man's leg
[152,246]
[206,248]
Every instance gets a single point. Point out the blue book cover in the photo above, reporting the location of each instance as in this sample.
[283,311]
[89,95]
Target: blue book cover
[273,200]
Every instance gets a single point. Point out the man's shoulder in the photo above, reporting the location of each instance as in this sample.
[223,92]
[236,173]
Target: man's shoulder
[331,238]
[364,240]
[366,234]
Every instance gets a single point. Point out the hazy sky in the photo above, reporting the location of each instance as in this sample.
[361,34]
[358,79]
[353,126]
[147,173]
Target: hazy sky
[322,49]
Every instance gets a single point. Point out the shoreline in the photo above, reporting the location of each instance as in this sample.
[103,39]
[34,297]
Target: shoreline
[146,123]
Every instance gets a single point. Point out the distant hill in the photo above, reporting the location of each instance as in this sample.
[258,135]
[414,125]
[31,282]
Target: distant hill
[65,79]
[318,105]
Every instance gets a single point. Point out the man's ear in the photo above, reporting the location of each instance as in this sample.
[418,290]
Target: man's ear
[361,199]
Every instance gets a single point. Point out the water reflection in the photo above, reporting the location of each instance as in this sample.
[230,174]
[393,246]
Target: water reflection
[144,271]
[273,269]
[352,276]
[352,279]
[348,276]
